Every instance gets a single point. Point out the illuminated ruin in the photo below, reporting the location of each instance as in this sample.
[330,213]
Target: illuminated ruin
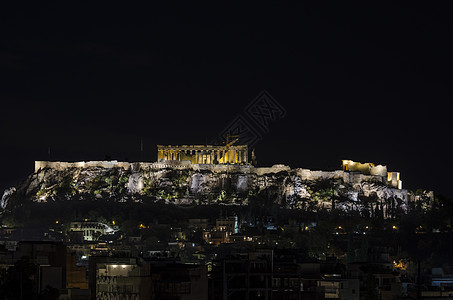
[205,154]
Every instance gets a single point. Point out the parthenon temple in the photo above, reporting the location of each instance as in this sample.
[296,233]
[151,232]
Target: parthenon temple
[204,154]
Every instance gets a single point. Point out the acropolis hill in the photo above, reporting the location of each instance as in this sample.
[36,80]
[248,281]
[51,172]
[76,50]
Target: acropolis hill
[196,176]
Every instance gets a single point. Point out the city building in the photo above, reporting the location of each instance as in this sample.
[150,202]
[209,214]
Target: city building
[227,224]
[91,230]
[221,233]
[117,278]
[178,281]
[340,288]
[135,278]
[243,276]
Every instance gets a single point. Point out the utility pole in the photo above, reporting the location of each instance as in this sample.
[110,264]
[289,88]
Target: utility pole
[21,274]
[418,280]
[141,149]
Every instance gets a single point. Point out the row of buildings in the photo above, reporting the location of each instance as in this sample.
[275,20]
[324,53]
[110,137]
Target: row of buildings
[236,274]
[95,261]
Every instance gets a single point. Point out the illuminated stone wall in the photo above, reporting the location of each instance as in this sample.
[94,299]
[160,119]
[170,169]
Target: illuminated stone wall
[59,165]
[393,178]
[304,174]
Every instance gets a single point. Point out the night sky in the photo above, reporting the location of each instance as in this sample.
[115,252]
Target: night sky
[369,83]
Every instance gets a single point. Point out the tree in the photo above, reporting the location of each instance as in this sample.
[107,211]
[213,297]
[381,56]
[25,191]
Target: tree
[49,293]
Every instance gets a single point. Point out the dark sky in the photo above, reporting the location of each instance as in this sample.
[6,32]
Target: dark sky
[370,83]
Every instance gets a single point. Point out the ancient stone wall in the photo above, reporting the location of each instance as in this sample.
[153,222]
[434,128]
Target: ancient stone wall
[304,174]
[379,170]
[60,166]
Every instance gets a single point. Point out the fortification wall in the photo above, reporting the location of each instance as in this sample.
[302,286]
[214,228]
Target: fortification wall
[366,168]
[148,166]
[215,168]
[304,174]
[379,170]
[270,170]
[223,168]
[60,165]
[180,165]
[347,177]
[356,177]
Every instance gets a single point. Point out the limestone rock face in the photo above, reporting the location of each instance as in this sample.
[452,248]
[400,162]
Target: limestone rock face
[204,184]
[6,195]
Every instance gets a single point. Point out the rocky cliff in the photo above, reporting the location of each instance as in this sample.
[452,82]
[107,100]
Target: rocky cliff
[185,183]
